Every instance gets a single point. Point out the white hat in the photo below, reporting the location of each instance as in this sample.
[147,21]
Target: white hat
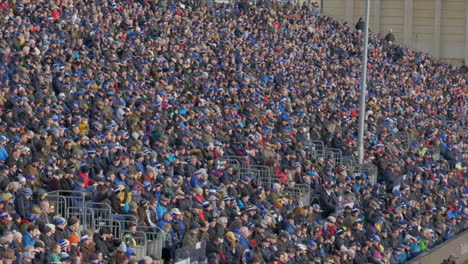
[122,247]
[176,211]
[301,246]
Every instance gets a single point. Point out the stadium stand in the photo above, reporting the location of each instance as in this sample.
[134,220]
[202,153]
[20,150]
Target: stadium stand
[165,131]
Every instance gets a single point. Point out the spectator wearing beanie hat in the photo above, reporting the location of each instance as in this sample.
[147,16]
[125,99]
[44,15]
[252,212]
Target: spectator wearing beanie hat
[191,236]
[87,246]
[119,255]
[64,245]
[26,222]
[47,235]
[24,203]
[103,239]
[5,221]
[74,248]
[27,256]
[9,201]
[94,259]
[73,226]
[30,181]
[60,225]
[32,169]
[96,101]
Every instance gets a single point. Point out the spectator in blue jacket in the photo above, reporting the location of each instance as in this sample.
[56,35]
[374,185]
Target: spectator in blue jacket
[196,180]
[162,207]
[120,179]
[3,153]
[30,236]
[245,234]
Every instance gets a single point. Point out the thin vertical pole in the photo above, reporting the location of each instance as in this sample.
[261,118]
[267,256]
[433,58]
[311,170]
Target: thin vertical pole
[362,103]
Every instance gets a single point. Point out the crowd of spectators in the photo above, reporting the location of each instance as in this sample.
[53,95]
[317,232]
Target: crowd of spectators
[131,102]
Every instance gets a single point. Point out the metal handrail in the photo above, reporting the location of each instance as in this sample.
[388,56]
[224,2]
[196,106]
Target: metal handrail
[141,247]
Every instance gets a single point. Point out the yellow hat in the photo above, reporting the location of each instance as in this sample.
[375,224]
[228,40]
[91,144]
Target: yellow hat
[231,235]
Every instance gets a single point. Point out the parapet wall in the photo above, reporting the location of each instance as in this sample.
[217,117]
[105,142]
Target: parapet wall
[438,27]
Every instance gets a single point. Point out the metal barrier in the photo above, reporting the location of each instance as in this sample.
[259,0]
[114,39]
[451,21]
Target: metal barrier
[150,231]
[328,153]
[190,254]
[267,181]
[367,168]
[72,203]
[442,118]
[264,171]
[240,164]
[73,199]
[68,193]
[116,223]
[113,224]
[60,203]
[300,192]
[154,242]
[435,150]
[100,209]
[404,138]
[141,246]
[125,220]
[450,123]
[337,156]
[249,172]
[95,216]
[243,160]
[305,194]
[222,163]
[348,161]
[87,218]
[316,146]
[155,246]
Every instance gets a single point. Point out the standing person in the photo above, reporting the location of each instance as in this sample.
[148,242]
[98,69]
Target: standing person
[168,252]
[328,204]
[178,225]
[390,37]
[360,24]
